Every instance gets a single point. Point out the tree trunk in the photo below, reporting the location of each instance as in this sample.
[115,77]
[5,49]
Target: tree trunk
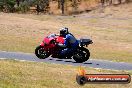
[62,6]
[18,2]
[59,4]
[119,1]
[102,2]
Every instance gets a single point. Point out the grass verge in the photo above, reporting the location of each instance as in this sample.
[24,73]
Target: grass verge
[112,37]
[18,74]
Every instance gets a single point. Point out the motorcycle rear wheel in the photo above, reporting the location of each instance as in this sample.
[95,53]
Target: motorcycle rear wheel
[82,54]
[41,53]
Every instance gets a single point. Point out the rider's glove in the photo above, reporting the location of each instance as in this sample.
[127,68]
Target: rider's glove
[61,45]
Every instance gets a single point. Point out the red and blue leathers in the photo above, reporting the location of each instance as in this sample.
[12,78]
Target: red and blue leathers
[70,43]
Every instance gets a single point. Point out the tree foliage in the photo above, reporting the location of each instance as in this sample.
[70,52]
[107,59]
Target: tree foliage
[44,5]
[7,5]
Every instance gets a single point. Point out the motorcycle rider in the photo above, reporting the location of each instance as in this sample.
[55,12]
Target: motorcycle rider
[70,43]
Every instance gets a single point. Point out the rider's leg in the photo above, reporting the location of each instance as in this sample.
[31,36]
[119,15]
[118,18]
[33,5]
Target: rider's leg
[67,52]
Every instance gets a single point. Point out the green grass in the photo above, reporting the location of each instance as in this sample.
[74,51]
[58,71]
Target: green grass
[17,74]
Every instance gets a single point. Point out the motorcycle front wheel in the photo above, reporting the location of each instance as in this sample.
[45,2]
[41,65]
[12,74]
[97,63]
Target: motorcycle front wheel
[81,55]
[41,53]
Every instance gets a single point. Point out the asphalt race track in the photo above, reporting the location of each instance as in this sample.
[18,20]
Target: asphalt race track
[90,63]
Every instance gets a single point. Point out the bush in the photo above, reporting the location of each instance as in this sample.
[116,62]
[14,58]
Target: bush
[24,7]
[11,3]
[7,5]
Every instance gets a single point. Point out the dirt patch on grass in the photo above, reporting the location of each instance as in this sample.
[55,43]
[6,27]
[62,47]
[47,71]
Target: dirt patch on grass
[12,24]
